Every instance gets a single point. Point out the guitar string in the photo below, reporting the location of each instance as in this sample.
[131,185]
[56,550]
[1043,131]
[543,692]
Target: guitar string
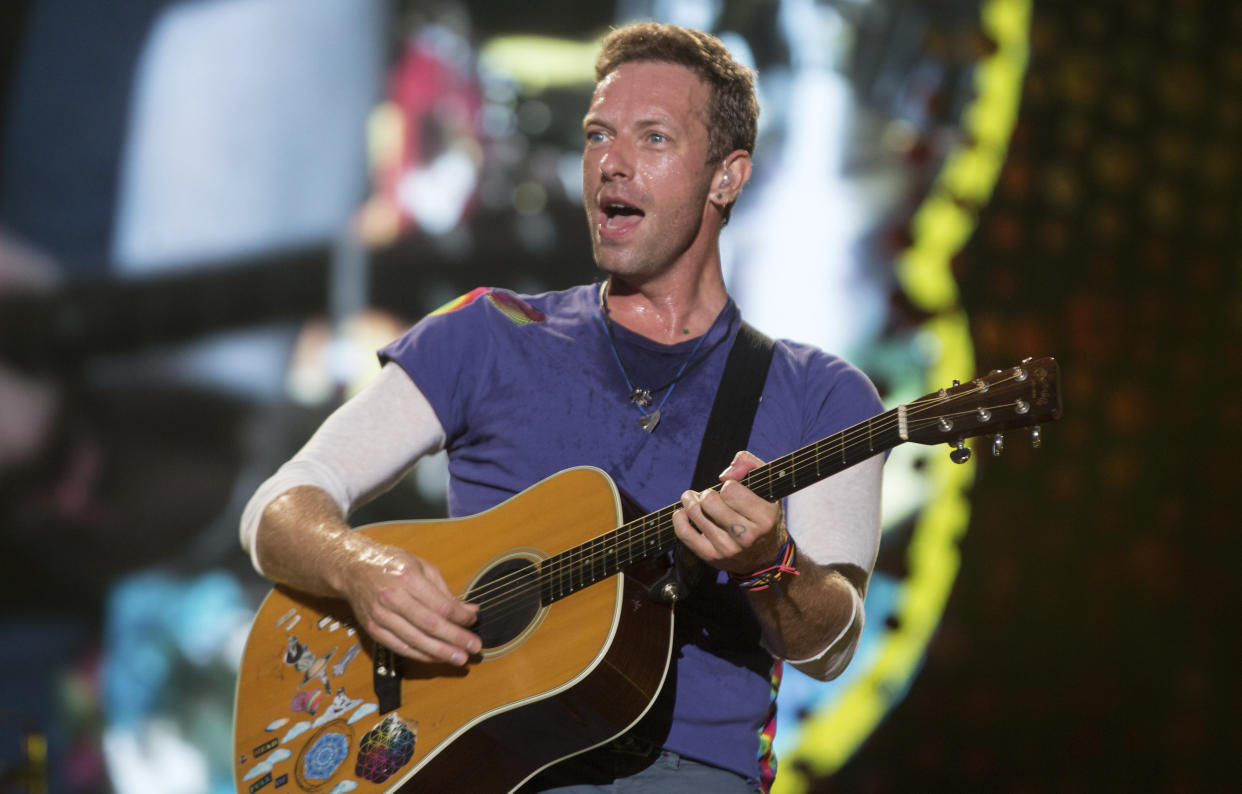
[572,573]
[573,569]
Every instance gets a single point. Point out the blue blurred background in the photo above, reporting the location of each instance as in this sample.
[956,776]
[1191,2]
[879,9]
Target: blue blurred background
[212,212]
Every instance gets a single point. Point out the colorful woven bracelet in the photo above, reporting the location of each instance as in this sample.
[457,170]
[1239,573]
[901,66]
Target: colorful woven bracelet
[761,580]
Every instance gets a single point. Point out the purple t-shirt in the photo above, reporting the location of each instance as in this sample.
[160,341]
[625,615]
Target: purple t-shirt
[526,386]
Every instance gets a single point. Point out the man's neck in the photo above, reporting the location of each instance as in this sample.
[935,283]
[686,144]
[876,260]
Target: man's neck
[669,310]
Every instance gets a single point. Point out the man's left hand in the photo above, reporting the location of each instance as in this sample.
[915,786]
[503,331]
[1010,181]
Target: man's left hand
[733,529]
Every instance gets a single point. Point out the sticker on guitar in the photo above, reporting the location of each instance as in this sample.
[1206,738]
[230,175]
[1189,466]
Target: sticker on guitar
[321,754]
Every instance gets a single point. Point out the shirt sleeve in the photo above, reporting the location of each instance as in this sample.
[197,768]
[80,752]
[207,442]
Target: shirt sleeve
[836,522]
[448,355]
[359,451]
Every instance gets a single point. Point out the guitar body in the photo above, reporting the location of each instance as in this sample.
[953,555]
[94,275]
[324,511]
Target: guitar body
[552,679]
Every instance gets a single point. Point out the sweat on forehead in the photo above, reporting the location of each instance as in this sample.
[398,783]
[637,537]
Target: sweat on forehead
[658,79]
[733,110]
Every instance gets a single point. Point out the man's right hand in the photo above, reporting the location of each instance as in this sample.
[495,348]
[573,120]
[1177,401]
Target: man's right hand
[404,603]
[400,600]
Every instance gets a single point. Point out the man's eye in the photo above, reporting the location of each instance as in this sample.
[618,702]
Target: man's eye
[656,137]
[595,136]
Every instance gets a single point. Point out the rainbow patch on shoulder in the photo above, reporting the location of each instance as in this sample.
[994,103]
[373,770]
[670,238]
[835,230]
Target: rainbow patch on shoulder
[461,301]
[517,310]
[513,307]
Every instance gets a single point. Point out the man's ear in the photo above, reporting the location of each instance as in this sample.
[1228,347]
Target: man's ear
[731,177]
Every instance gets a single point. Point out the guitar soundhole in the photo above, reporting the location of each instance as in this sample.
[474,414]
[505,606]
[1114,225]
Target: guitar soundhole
[508,599]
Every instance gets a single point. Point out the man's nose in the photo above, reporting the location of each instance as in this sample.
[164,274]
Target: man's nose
[617,161]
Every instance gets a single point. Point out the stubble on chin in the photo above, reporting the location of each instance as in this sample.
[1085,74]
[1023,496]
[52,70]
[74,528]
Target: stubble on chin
[623,262]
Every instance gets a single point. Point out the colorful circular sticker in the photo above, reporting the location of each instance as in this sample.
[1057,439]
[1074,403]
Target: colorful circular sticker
[323,754]
[384,749]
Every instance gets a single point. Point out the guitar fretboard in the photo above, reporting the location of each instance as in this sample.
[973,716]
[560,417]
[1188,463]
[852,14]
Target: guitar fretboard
[652,535]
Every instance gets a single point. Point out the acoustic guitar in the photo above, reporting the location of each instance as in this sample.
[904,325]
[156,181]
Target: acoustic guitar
[574,648]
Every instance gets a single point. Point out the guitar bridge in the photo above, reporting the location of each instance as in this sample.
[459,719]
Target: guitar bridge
[386,678]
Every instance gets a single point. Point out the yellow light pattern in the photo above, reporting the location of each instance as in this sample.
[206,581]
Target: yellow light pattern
[940,228]
[541,62]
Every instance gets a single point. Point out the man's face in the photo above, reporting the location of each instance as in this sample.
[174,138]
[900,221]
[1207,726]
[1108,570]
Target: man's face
[645,176]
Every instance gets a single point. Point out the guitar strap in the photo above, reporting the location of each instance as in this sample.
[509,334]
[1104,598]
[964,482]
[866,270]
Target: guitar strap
[728,431]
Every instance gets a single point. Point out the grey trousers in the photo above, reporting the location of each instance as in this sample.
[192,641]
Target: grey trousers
[667,772]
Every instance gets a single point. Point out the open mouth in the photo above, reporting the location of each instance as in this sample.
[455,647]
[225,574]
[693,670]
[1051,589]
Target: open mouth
[618,216]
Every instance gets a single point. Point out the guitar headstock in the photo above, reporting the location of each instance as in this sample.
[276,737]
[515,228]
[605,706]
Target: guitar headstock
[1022,396]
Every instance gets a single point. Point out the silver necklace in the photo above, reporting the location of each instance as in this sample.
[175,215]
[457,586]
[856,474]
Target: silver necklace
[641,397]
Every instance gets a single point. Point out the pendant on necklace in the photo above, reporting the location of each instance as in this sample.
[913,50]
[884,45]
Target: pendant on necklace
[649,421]
[641,397]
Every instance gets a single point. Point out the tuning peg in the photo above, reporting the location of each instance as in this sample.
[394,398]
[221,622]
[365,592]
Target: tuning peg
[1036,438]
[961,453]
[998,445]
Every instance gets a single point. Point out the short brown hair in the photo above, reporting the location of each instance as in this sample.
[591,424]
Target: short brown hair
[733,117]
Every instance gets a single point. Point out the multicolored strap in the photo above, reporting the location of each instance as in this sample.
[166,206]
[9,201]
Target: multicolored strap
[762,579]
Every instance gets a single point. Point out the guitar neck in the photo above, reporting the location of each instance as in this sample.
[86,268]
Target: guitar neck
[646,537]
[826,457]
[1021,396]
